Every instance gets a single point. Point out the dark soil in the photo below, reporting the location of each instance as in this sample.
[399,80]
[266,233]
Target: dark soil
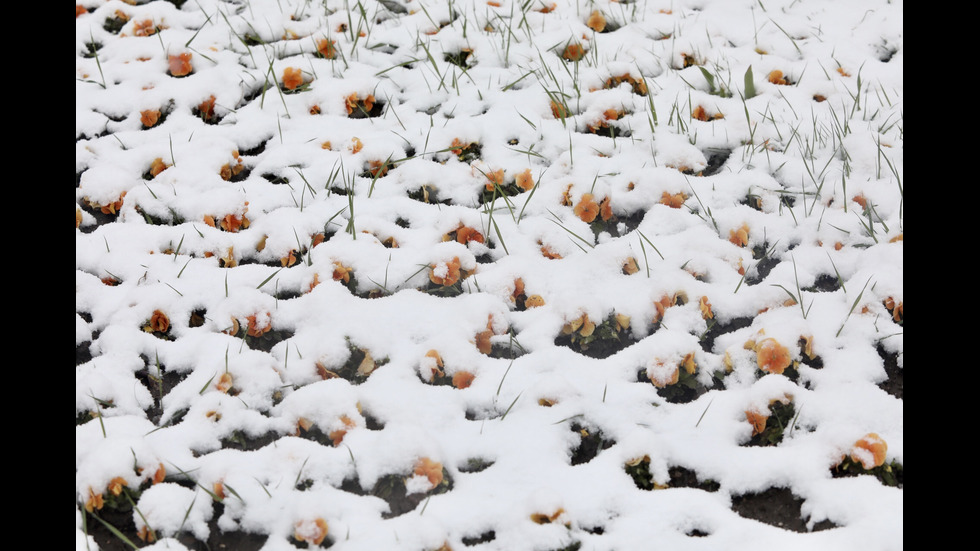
[489,535]
[217,540]
[680,477]
[776,507]
[391,488]
[159,381]
[591,444]
[716,330]
[895,383]
[716,159]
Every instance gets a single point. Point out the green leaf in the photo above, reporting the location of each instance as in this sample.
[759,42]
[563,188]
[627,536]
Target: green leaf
[749,84]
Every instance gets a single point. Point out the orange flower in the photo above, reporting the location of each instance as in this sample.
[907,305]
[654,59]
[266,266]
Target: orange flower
[436,370]
[688,363]
[842,72]
[559,111]
[495,178]
[518,289]
[630,267]
[566,198]
[337,436]
[206,108]
[533,301]
[160,474]
[157,166]
[355,145]
[79,10]
[596,22]
[700,114]
[378,169]
[224,382]
[587,209]
[465,234]
[451,274]
[757,420]
[581,325]
[705,307]
[94,501]
[772,357]
[144,28]
[897,309]
[146,534]
[312,531]
[573,52]
[548,253]
[776,77]
[289,259]
[542,518]
[740,236]
[662,375]
[869,451]
[256,330]
[232,222]
[524,180]
[463,379]
[159,322]
[180,65]
[113,208]
[341,272]
[325,373]
[353,102]
[662,305]
[457,146]
[326,48]
[149,117]
[483,343]
[548,9]
[219,489]
[314,283]
[116,485]
[429,469]
[639,86]
[292,78]
[605,210]
[78,216]
[674,201]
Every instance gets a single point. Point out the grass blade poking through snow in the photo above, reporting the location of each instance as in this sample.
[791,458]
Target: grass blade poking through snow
[749,84]
[115,531]
[853,306]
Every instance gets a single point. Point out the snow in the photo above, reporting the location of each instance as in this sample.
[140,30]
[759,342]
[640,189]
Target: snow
[809,165]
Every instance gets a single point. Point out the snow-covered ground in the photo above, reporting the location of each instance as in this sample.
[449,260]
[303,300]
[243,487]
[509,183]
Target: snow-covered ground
[294,290]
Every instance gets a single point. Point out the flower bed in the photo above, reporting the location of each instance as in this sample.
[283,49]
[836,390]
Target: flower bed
[408,274]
